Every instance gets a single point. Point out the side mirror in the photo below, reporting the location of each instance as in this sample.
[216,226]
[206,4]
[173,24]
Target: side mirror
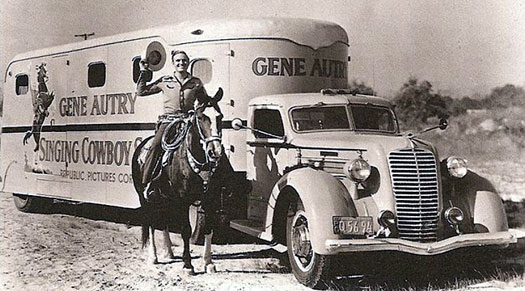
[237,124]
[443,123]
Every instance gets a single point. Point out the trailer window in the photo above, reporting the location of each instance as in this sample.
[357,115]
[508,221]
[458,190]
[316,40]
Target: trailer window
[96,75]
[136,71]
[22,84]
[268,120]
[202,69]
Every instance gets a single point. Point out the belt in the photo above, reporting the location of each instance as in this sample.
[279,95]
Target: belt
[171,117]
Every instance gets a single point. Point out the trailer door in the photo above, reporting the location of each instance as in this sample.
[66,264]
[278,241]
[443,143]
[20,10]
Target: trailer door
[88,124]
[211,64]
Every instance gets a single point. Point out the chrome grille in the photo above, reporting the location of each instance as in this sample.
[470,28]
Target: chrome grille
[414,180]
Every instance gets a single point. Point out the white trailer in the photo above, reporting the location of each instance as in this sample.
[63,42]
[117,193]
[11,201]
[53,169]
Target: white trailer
[95,120]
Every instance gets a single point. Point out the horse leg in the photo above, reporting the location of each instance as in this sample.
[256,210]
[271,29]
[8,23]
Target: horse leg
[36,136]
[152,249]
[37,127]
[206,256]
[186,234]
[168,244]
[27,136]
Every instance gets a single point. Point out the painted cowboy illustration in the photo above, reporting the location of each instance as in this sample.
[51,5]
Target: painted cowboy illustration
[42,99]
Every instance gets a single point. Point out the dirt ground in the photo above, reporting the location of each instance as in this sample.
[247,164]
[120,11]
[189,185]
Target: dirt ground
[86,247]
[69,249]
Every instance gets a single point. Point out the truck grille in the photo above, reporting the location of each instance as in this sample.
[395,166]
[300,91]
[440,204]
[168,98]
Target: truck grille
[415,185]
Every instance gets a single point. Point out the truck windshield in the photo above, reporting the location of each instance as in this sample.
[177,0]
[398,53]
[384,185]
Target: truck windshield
[365,118]
[320,118]
[373,118]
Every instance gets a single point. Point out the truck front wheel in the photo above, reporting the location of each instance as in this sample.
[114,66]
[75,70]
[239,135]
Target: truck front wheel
[308,267]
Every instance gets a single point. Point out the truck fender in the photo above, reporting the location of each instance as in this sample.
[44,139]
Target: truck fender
[484,203]
[489,212]
[323,197]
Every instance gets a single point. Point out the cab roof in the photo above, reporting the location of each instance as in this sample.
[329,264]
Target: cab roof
[307,32]
[308,99]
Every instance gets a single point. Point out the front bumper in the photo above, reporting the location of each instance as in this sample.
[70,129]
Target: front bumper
[499,239]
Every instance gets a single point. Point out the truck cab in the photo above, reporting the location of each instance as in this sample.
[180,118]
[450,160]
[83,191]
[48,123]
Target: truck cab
[331,173]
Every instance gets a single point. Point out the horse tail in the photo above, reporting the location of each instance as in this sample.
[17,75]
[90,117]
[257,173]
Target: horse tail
[136,174]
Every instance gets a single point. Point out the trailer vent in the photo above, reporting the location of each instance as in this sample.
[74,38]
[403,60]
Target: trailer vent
[414,180]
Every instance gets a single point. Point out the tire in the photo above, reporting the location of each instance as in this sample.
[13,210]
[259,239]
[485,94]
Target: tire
[197,225]
[308,267]
[31,204]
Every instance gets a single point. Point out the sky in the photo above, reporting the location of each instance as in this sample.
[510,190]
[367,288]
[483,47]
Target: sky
[462,47]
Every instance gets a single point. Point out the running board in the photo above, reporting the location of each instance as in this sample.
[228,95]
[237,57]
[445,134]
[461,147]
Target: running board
[257,229]
[250,227]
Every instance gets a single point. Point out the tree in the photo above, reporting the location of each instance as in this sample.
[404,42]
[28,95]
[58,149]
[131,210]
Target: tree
[416,103]
[506,96]
[361,88]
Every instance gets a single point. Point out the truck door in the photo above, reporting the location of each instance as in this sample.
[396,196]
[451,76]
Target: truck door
[266,157]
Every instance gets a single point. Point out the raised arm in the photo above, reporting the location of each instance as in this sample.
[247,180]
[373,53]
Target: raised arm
[144,89]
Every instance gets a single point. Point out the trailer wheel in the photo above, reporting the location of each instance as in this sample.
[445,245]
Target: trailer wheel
[31,204]
[308,267]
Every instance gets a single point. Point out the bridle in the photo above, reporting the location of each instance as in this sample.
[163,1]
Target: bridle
[198,167]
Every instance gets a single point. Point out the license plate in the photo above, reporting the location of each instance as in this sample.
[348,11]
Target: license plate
[360,225]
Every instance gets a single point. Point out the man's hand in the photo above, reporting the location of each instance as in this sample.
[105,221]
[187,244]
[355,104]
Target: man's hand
[143,65]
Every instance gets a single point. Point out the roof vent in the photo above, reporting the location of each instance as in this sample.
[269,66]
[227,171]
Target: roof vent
[338,91]
[197,32]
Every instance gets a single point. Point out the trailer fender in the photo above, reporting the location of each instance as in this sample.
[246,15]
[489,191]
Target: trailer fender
[323,197]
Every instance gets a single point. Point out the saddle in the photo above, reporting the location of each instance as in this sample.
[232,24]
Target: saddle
[172,139]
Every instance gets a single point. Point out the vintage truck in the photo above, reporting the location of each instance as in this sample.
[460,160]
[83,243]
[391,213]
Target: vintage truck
[325,172]
[331,174]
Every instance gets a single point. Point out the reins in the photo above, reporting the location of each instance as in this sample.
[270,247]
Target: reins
[182,135]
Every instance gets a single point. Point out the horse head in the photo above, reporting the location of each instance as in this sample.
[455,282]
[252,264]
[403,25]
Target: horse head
[209,123]
[41,73]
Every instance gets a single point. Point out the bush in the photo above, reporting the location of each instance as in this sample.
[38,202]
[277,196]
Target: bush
[361,88]
[416,103]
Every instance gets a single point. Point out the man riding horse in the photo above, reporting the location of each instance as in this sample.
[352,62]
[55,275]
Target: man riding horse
[180,94]
[195,118]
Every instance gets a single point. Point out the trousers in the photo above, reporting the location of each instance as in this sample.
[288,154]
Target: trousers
[153,154]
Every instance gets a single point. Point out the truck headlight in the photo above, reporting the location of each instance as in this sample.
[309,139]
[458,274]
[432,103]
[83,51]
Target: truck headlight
[357,170]
[457,167]
[386,218]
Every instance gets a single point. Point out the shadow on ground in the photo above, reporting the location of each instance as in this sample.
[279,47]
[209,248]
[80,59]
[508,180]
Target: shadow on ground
[458,270]
[130,217]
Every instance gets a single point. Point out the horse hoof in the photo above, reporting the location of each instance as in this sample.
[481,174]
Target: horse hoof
[153,261]
[188,271]
[210,269]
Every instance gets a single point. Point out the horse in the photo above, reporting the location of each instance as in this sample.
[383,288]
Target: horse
[42,99]
[194,170]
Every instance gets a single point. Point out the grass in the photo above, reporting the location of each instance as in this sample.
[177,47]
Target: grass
[465,137]
[458,272]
